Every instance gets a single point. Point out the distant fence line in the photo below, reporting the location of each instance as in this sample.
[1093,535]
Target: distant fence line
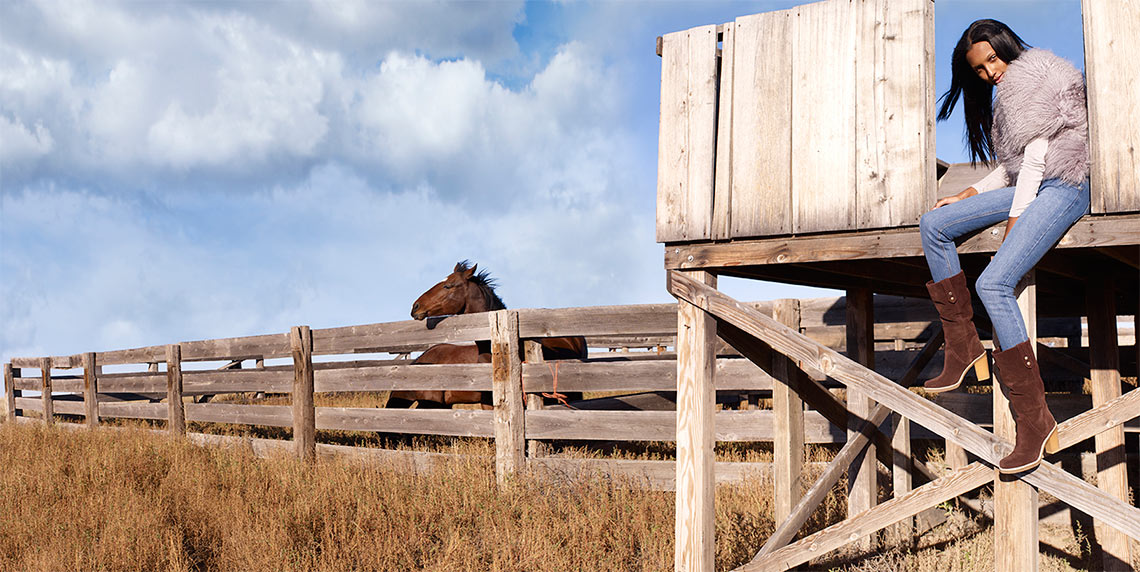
[94,394]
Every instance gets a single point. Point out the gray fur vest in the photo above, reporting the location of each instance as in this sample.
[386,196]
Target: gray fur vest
[1042,95]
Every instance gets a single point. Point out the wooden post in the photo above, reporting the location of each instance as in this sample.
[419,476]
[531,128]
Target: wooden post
[176,411]
[1112,472]
[532,351]
[1015,501]
[506,386]
[788,413]
[45,391]
[10,374]
[304,414]
[862,477]
[901,471]
[696,438]
[90,389]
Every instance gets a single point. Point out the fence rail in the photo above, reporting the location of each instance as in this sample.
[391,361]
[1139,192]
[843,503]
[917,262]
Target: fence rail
[158,395]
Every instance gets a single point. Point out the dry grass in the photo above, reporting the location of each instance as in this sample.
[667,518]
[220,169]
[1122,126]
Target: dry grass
[134,500]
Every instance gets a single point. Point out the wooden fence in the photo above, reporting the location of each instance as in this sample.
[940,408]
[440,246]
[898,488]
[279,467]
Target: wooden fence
[322,361]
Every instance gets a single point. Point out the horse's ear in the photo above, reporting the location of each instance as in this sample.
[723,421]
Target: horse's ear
[459,267]
[467,275]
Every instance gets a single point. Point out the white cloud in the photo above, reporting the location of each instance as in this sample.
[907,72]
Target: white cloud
[18,143]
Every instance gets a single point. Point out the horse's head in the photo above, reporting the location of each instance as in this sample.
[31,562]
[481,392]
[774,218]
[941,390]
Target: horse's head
[462,292]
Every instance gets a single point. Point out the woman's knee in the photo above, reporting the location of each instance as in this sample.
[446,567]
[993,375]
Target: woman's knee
[991,289]
[928,227]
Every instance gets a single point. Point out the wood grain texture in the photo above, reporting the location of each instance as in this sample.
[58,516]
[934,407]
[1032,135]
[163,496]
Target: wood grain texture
[761,132]
[398,335]
[1112,38]
[455,422]
[823,117]
[10,392]
[303,412]
[984,444]
[268,415]
[90,390]
[507,396]
[134,410]
[696,403]
[639,319]
[176,412]
[862,475]
[894,155]
[686,140]
[722,183]
[45,391]
[788,420]
[1111,465]
[1108,230]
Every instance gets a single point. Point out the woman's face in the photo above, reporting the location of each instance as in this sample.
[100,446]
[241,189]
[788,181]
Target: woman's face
[986,63]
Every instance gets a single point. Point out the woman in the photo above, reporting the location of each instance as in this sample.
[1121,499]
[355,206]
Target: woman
[1036,127]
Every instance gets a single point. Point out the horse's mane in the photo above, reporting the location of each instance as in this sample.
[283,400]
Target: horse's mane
[486,285]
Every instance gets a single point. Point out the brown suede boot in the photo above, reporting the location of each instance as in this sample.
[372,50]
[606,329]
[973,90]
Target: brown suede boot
[951,298]
[1036,429]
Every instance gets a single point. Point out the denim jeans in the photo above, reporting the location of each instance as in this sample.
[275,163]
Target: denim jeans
[1057,207]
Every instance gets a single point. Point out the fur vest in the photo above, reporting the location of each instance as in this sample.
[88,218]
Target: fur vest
[1042,95]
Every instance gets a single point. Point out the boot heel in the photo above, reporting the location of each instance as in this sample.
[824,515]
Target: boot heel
[982,368]
[1052,444]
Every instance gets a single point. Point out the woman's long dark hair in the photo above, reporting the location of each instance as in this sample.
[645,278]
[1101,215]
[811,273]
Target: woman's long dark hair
[977,95]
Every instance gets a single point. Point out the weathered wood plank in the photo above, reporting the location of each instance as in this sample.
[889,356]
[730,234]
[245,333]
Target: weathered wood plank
[788,420]
[90,390]
[134,355]
[1090,231]
[397,335]
[1105,416]
[268,415]
[45,391]
[134,410]
[57,362]
[731,374]
[984,444]
[686,144]
[454,422]
[176,412]
[450,377]
[751,425]
[696,402]
[640,319]
[886,514]
[10,374]
[303,412]
[506,384]
[1111,466]
[656,475]
[823,117]
[894,157]
[761,137]
[1112,38]
[721,227]
[862,475]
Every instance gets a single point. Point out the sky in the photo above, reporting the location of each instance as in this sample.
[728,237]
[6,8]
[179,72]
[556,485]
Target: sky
[174,171]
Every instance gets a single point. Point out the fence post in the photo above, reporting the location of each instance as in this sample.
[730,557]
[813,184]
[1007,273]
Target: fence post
[176,410]
[506,386]
[304,414]
[533,354]
[1112,469]
[788,411]
[1015,501]
[90,390]
[10,390]
[45,391]
[862,477]
[694,548]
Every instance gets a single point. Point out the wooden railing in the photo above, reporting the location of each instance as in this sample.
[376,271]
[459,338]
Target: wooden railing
[303,362]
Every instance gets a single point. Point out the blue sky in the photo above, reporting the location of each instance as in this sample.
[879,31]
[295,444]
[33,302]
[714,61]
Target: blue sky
[177,171]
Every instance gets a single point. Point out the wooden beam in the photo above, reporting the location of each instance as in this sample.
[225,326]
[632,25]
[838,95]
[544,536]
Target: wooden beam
[45,391]
[10,374]
[91,390]
[952,485]
[982,443]
[1015,501]
[788,413]
[1101,418]
[1112,473]
[176,412]
[862,476]
[532,354]
[506,388]
[304,415]
[1090,231]
[696,402]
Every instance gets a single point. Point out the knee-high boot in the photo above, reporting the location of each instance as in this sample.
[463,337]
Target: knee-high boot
[951,298]
[1019,373]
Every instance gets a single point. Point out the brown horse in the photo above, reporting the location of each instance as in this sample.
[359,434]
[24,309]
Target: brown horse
[465,291]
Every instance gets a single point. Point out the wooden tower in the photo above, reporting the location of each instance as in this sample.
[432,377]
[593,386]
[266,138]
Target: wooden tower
[798,146]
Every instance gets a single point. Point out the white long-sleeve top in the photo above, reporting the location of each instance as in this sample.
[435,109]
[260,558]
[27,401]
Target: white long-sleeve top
[1028,179]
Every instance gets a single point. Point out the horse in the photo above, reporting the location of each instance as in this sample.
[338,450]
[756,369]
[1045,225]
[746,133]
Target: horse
[467,291]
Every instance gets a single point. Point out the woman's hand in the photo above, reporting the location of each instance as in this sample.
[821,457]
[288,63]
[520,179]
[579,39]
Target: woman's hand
[965,194]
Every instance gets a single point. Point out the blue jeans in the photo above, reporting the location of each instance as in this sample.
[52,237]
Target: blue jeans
[1057,207]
